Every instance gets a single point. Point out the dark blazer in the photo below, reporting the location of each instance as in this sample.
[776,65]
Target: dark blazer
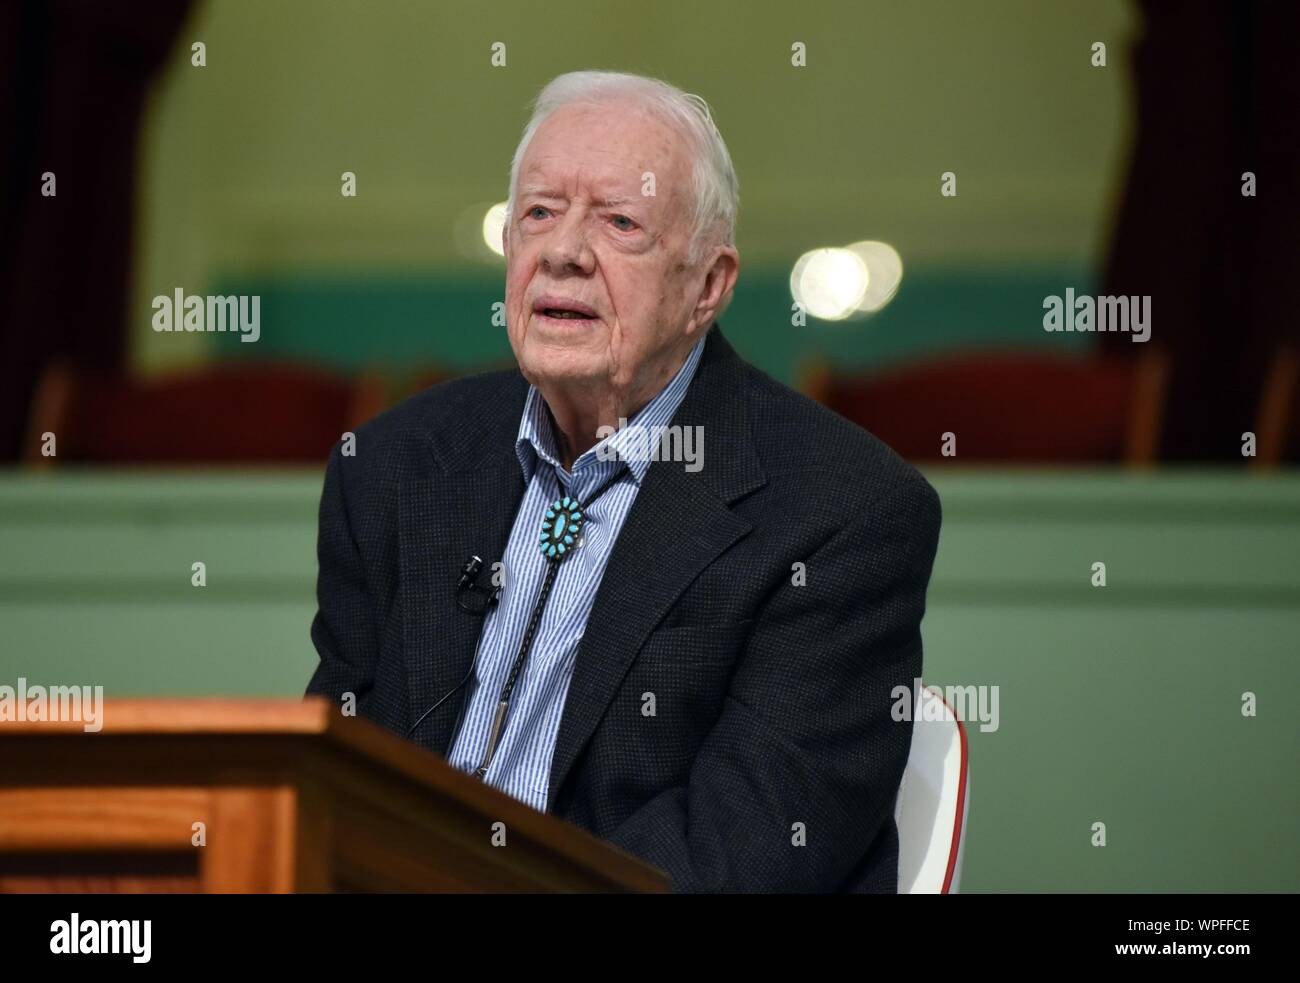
[772,698]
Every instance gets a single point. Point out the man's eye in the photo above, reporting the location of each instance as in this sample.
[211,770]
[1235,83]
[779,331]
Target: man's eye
[532,212]
[618,221]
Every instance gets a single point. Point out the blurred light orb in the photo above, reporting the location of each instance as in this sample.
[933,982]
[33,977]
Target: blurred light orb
[493,222]
[885,273]
[830,283]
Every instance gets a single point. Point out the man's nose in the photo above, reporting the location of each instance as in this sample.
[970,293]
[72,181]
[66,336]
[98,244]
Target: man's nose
[566,249]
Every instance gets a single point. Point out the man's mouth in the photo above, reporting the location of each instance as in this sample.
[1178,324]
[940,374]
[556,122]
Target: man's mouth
[566,315]
[563,308]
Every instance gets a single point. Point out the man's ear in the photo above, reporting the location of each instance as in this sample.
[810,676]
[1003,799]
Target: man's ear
[719,283]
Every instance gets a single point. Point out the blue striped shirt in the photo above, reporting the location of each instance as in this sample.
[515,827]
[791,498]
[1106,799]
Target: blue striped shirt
[522,764]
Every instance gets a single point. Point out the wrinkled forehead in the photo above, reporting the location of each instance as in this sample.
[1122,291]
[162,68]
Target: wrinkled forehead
[607,151]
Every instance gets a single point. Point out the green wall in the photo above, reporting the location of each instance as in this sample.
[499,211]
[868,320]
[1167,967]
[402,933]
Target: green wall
[1118,704]
[404,325]
[241,159]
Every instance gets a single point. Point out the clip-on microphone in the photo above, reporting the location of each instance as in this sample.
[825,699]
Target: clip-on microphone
[468,582]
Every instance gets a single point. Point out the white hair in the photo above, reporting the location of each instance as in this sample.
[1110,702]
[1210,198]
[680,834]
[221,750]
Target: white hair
[716,191]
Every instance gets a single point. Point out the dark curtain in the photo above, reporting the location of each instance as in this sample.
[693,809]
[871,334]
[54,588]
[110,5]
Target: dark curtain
[73,77]
[1218,94]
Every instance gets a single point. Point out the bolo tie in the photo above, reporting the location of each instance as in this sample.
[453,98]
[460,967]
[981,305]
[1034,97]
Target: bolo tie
[560,536]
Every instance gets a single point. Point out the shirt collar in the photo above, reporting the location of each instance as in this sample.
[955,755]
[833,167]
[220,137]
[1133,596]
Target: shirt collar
[537,429]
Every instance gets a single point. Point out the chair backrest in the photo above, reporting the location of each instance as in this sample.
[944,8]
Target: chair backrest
[1277,428]
[1006,406]
[933,800]
[226,413]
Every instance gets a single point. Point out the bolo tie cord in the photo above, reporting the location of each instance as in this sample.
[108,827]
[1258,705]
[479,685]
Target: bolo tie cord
[561,533]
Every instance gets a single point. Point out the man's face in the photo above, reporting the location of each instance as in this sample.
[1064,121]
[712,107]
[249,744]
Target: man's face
[584,238]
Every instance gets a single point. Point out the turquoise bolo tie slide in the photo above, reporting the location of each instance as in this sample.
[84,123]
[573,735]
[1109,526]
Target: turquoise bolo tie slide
[561,535]
[561,528]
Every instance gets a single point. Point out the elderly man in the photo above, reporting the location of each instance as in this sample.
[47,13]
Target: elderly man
[694,659]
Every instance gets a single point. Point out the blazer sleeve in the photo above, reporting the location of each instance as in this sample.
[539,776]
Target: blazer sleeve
[799,775]
[343,629]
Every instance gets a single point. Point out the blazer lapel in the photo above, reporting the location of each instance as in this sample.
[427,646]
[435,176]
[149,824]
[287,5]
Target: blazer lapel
[679,522]
[462,508]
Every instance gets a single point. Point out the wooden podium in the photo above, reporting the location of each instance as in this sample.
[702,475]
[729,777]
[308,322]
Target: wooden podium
[271,796]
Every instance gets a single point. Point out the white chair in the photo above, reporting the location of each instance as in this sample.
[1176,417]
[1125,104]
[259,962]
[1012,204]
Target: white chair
[933,800]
